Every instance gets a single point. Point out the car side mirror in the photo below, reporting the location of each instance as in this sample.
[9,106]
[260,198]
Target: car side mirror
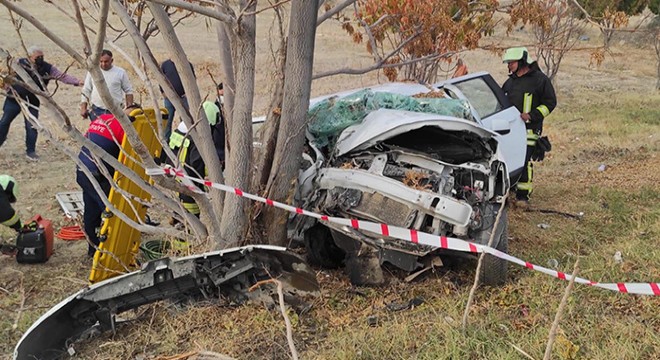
[501,126]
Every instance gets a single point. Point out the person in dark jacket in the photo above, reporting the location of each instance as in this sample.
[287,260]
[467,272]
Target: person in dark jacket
[532,93]
[8,195]
[106,132]
[172,75]
[42,73]
[189,156]
[221,126]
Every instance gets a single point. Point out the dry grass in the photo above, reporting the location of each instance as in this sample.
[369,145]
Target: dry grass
[605,116]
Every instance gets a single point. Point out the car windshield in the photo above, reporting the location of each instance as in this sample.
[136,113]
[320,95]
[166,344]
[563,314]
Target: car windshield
[481,97]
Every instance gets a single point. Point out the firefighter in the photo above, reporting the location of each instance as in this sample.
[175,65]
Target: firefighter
[531,92]
[8,194]
[189,156]
[106,132]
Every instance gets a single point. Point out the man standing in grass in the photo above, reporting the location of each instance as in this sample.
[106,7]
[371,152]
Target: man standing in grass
[532,93]
[42,73]
[117,81]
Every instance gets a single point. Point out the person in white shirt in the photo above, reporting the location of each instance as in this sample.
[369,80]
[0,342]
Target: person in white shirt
[120,88]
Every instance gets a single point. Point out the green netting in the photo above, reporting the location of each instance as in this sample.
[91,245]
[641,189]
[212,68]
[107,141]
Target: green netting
[330,117]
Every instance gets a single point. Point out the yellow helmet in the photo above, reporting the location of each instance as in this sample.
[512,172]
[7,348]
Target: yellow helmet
[516,54]
[9,186]
[212,112]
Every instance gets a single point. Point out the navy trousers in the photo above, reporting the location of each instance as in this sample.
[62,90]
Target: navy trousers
[93,207]
[170,116]
[10,111]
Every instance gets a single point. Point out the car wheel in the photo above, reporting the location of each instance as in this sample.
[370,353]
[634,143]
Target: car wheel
[493,269]
[321,248]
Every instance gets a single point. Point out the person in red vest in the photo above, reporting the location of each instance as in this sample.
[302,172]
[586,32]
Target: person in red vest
[106,132]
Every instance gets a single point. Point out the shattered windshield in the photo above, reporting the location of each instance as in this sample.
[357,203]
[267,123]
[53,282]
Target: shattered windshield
[331,116]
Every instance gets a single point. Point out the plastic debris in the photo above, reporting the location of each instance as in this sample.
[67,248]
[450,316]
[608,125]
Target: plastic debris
[618,257]
[553,263]
[543,226]
[602,167]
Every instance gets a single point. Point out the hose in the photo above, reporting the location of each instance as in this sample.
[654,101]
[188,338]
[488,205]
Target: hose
[71,233]
[154,249]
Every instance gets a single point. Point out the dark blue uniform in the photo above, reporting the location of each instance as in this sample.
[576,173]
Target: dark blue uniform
[106,132]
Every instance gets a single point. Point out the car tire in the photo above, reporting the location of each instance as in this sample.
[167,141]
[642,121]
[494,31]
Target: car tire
[493,269]
[321,248]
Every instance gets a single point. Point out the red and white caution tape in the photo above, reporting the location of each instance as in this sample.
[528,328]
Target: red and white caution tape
[415,236]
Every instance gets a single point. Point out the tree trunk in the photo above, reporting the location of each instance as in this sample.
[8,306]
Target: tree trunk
[656,43]
[227,77]
[234,217]
[201,134]
[291,137]
[266,154]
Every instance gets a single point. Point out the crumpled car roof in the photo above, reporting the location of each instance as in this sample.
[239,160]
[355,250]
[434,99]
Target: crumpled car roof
[383,124]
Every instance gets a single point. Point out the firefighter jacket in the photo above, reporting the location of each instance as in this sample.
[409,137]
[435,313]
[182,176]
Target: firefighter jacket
[531,93]
[187,152]
[106,132]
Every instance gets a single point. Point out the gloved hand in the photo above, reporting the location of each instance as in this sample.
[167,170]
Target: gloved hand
[543,145]
[29,227]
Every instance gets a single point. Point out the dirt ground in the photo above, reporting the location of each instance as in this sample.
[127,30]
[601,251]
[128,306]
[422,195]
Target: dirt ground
[628,68]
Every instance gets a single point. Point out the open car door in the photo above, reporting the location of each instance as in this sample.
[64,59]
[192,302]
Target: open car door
[493,110]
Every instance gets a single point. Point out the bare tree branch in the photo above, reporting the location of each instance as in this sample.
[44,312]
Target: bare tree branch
[271,6]
[202,10]
[202,136]
[475,283]
[380,65]
[100,34]
[44,30]
[81,25]
[560,311]
[335,10]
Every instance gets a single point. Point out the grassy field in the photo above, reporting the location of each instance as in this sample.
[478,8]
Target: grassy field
[621,213]
[607,116]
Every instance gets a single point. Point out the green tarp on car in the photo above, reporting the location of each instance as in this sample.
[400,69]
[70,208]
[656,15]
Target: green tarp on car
[330,117]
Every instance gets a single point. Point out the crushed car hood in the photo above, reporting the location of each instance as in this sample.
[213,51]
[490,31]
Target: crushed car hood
[383,124]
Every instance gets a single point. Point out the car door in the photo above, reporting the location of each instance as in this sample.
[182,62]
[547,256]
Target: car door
[492,110]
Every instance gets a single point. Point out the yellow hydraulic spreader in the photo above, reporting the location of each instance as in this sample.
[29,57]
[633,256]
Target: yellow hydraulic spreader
[116,254]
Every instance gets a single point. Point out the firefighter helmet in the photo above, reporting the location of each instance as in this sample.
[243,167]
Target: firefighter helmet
[9,186]
[212,112]
[516,54]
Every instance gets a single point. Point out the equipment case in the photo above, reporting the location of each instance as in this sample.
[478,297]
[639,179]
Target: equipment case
[35,241]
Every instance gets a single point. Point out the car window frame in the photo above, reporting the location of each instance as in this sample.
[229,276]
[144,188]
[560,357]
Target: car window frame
[495,91]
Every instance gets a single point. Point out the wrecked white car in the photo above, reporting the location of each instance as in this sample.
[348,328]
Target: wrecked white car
[439,160]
